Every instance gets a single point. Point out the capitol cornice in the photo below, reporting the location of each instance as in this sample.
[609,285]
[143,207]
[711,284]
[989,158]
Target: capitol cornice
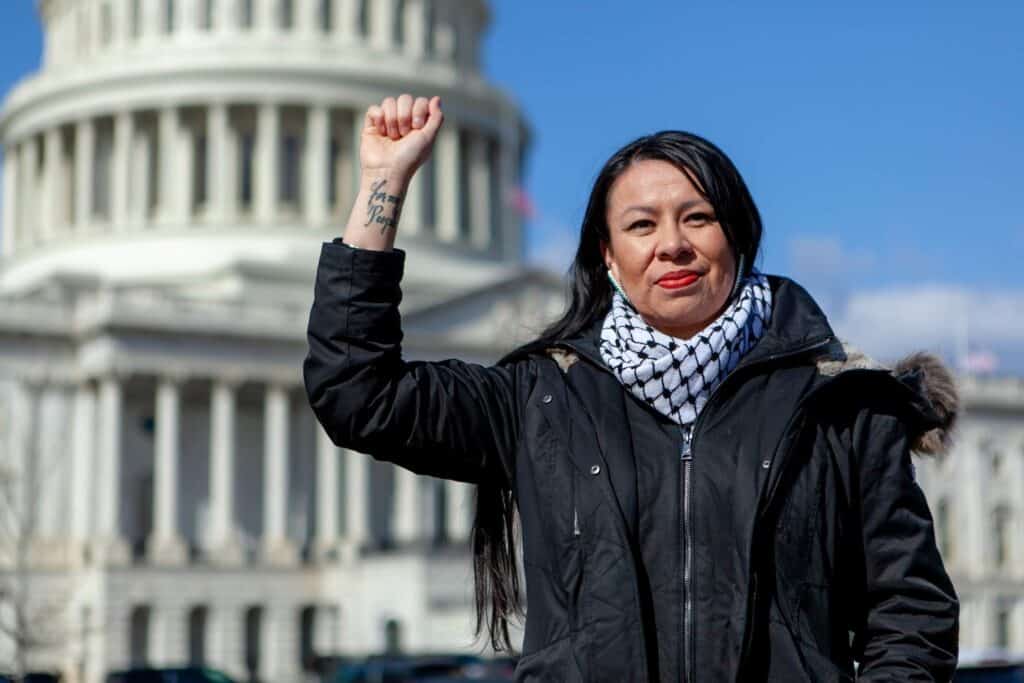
[328,75]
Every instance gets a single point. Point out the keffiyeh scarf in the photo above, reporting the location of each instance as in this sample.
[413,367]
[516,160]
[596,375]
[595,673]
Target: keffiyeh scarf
[676,376]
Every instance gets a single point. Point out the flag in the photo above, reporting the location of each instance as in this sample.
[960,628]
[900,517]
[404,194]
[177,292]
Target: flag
[980,362]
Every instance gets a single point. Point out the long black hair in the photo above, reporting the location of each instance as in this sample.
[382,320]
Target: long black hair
[496,576]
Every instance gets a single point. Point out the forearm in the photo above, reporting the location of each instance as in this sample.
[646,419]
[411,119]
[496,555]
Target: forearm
[373,222]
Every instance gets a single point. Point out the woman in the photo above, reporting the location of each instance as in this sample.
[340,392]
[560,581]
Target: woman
[710,486]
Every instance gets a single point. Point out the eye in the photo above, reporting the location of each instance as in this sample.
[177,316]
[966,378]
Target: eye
[700,218]
[636,225]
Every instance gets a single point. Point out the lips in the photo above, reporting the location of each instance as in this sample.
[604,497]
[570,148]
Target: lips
[678,278]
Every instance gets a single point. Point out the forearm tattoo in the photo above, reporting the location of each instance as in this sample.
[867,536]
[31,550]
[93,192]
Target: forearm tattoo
[377,208]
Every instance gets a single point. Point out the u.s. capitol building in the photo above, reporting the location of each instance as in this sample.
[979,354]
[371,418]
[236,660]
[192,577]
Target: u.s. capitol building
[169,175]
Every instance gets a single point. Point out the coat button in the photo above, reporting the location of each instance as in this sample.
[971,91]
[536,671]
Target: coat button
[595,469]
[766,464]
[547,398]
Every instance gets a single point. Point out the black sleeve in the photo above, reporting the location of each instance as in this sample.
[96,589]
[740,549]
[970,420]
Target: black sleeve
[446,419]
[908,630]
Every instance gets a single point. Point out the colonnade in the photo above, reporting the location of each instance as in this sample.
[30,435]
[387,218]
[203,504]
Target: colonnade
[418,29]
[226,163]
[91,526]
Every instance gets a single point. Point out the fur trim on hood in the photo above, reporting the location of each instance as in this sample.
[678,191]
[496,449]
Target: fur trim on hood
[925,374]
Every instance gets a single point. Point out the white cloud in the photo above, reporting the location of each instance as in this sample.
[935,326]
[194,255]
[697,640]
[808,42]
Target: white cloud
[893,321]
[888,322]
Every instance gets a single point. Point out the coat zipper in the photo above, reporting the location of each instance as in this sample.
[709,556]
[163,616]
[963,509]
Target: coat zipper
[575,522]
[687,462]
[686,456]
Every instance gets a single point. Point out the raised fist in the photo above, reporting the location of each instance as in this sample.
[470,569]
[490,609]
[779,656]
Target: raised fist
[399,134]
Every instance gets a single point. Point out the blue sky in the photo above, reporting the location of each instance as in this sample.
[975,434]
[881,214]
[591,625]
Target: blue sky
[882,141]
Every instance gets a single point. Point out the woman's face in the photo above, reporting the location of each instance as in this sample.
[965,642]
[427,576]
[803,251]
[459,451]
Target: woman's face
[666,248]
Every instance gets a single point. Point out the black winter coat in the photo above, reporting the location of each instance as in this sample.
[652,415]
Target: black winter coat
[792,543]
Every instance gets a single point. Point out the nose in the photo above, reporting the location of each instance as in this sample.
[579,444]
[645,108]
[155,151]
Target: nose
[673,243]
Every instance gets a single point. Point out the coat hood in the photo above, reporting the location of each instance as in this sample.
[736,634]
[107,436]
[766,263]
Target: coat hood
[931,384]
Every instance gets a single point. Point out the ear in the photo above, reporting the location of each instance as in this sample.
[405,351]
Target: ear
[606,256]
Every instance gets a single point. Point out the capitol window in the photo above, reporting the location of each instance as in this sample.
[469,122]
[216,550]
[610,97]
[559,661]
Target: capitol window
[944,522]
[138,635]
[286,14]
[1001,518]
[198,617]
[207,21]
[398,24]
[169,16]
[326,16]
[245,13]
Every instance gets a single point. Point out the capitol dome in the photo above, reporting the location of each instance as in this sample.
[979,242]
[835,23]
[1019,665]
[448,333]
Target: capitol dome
[168,139]
[169,176]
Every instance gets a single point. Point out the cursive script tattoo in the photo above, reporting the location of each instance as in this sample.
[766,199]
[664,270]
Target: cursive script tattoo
[377,206]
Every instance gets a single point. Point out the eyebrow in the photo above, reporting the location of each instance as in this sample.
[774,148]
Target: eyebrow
[650,209]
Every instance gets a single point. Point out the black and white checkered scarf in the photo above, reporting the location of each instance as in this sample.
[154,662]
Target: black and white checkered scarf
[676,376]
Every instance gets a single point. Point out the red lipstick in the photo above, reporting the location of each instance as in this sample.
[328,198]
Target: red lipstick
[678,279]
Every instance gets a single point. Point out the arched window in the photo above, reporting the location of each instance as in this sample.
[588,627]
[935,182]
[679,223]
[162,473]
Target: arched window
[392,636]
[136,18]
[1002,627]
[398,24]
[253,635]
[286,14]
[169,16]
[245,13]
[944,522]
[1001,518]
[326,16]
[363,18]
[197,620]
[138,636]
[307,635]
[206,20]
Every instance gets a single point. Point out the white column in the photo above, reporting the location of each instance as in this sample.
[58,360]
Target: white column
[316,175]
[307,18]
[18,455]
[357,482]
[479,191]
[973,546]
[152,23]
[169,183]
[263,16]
[382,21]
[222,165]
[277,549]
[224,546]
[458,510]
[446,181]
[110,546]
[444,33]
[119,18]
[346,19]
[139,199]
[165,545]
[226,17]
[10,199]
[27,218]
[83,467]
[327,456]
[414,28]
[266,162]
[405,523]
[188,18]
[52,194]
[85,153]
[185,156]
[120,171]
